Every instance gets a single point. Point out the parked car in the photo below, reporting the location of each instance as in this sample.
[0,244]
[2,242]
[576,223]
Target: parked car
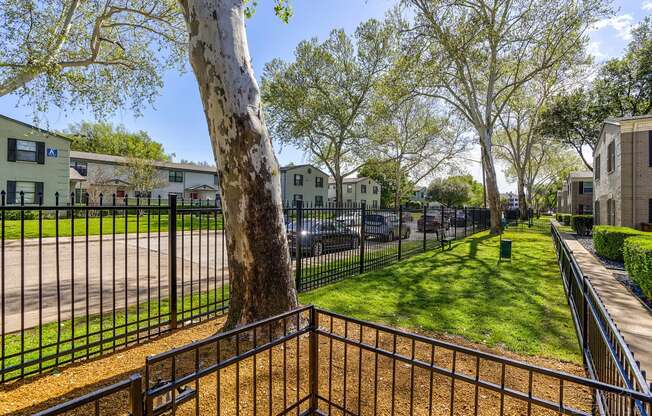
[350,219]
[407,217]
[319,237]
[430,223]
[385,227]
[459,220]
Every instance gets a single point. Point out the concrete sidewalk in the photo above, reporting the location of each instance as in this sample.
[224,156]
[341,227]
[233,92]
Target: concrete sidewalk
[630,316]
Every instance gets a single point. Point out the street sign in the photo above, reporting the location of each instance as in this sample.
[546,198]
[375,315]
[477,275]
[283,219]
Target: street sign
[52,152]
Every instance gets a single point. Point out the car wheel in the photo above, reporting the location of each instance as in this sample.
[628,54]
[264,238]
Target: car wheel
[317,249]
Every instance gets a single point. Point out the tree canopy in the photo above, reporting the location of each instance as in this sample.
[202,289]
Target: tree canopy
[108,139]
[456,191]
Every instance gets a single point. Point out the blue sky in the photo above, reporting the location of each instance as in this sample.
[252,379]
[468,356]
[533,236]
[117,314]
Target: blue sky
[177,118]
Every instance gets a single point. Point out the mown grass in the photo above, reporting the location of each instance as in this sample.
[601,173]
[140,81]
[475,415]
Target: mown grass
[518,305]
[100,328]
[131,223]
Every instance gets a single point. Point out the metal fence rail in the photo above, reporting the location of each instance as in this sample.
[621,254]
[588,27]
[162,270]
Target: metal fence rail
[606,354]
[314,362]
[78,281]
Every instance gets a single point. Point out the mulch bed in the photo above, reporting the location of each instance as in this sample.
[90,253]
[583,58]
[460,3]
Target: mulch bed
[289,381]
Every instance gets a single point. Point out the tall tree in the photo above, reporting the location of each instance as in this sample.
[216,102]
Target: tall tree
[261,283]
[413,140]
[319,102]
[454,191]
[108,139]
[381,171]
[98,54]
[475,54]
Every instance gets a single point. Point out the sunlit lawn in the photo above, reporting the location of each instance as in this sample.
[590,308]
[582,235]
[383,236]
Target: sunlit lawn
[518,304]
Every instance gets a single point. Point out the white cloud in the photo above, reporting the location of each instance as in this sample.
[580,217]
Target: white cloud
[647,5]
[622,24]
[594,49]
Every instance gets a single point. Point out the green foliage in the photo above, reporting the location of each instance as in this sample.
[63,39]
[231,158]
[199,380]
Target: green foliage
[108,139]
[380,172]
[637,253]
[93,55]
[582,224]
[456,191]
[608,240]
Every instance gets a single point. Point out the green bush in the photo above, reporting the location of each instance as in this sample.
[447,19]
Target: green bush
[564,219]
[608,240]
[15,214]
[637,253]
[582,224]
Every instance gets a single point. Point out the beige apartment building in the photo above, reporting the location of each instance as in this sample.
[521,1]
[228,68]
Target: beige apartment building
[357,191]
[305,183]
[33,161]
[576,195]
[622,167]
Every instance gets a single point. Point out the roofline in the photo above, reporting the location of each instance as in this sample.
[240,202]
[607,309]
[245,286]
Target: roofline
[33,127]
[121,160]
[351,180]
[290,167]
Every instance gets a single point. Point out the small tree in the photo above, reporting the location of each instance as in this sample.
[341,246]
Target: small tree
[141,175]
[319,102]
[450,191]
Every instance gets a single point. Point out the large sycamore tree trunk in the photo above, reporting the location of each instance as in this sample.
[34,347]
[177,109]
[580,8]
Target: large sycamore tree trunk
[259,265]
[522,201]
[491,184]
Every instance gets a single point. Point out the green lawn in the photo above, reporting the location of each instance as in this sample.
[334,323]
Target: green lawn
[519,304]
[104,323]
[132,223]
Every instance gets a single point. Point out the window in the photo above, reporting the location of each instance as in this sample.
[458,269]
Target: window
[298,180]
[216,180]
[375,190]
[596,168]
[176,176]
[25,151]
[319,201]
[587,187]
[349,189]
[363,201]
[80,167]
[611,157]
[374,203]
[363,189]
[297,197]
[319,182]
[30,190]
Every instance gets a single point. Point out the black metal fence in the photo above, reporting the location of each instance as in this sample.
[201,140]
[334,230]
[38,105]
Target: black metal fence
[314,362]
[80,280]
[335,242]
[606,354]
[77,281]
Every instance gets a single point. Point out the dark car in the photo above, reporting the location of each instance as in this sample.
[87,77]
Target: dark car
[318,237]
[385,227]
[430,223]
[459,220]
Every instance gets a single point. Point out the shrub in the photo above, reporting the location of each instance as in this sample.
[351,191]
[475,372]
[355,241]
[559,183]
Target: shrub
[582,224]
[15,214]
[637,253]
[564,219]
[608,240]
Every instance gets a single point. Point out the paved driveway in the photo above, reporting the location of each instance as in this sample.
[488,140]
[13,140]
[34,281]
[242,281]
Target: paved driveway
[107,270]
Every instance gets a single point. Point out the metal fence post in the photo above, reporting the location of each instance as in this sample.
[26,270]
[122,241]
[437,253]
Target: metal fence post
[400,230]
[443,227]
[136,395]
[363,221]
[425,211]
[314,359]
[585,315]
[172,259]
[465,222]
[298,253]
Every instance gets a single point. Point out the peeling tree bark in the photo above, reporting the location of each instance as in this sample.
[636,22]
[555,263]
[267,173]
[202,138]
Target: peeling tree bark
[491,185]
[259,265]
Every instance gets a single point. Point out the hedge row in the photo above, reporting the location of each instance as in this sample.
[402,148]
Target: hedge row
[582,224]
[637,252]
[608,240]
[563,218]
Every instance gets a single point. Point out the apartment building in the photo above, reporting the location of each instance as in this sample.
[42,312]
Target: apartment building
[357,191]
[108,174]
[33,161]
[512,200]
[578,193]
[304,183]
[622,172]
